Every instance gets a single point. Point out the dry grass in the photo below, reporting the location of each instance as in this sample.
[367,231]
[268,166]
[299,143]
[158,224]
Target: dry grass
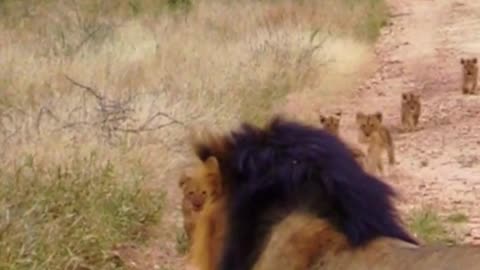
[141,72]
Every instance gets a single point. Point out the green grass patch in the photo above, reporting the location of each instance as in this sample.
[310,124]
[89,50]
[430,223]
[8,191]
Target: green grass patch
[427,225]
[457,218]
[182,243]
[376,17]
[70,217]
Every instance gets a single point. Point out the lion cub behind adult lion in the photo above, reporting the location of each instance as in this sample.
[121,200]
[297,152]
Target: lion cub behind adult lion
[378,139]
[410,110]
[210,223]
[198,188]
[331,124]
[470,75]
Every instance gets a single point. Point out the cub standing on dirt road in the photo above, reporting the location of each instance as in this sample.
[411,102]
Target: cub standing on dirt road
[378,139]
[331,124]
[410,110]
[470,75]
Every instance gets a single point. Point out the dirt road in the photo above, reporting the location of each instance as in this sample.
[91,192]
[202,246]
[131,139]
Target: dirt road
[439,165]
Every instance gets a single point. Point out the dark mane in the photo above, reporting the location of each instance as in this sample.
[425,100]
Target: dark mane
[287,166]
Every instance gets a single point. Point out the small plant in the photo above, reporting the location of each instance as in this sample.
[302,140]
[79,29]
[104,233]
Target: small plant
[179,4]
[182,242]
[457,218]
[428,226]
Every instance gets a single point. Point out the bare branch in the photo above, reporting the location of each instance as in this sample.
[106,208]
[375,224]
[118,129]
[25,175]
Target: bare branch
[142,129]
[87,88]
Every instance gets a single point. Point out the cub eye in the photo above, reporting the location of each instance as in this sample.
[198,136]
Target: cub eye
[190,193]
[204,193]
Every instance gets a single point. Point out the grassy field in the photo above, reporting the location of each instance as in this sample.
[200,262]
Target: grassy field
[96,97]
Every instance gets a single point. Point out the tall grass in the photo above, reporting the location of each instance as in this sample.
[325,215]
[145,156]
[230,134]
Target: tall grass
[70,216]
[125,79]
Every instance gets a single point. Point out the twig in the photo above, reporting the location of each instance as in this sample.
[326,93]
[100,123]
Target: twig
[89,36]
[401,14]
[87,88]
[142,129]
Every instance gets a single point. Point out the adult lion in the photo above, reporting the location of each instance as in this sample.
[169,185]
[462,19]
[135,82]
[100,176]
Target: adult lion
[297,199]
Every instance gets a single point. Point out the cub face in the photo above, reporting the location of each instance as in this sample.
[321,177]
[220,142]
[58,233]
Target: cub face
[470,67]
[411,101]
[200,183]
[331,123]
[369,123]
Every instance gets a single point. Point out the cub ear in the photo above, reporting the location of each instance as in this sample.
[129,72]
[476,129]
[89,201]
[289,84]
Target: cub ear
[379,116]
[182,181]
[212,164]
[462,61]
[359,116]
[322,119]
[474,60]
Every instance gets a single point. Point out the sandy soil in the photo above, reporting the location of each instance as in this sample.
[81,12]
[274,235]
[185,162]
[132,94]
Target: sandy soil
[437,166]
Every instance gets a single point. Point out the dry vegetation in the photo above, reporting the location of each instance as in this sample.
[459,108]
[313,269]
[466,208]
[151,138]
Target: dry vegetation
[95,97]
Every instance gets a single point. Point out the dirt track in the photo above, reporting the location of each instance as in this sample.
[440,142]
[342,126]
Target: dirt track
[438,165]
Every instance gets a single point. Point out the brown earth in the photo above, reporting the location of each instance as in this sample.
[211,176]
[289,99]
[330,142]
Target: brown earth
[438,166]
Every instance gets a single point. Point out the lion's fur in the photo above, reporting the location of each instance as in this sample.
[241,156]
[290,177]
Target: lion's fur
[470,75]
[298,241]
[410,110]
[210,223]
[286,167]
[302,241]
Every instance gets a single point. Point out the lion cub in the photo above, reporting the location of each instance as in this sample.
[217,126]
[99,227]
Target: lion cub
[410,110]
[196,191]
[377,138]
[470,75]
[210,224]
[331,124]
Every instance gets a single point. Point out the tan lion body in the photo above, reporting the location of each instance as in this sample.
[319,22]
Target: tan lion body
[377,138]
[304,242]
[210,223]
[358,155]
[410,110]
[470,76]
